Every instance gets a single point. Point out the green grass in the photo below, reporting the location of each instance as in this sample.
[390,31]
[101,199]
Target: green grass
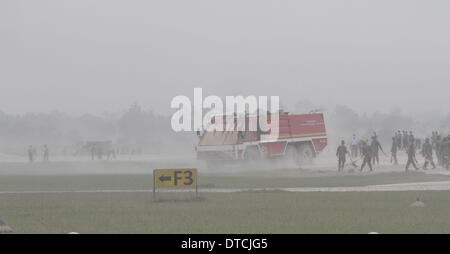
[247,212]
[144,181]
[273,212]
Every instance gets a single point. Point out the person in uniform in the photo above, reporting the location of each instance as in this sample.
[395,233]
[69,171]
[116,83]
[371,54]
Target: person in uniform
[341,154]
[433,139]
[46,154]
[445,152]
[398,137]
[394,151]
[438,149]
[375,147]
[366,152]
[411,152]
[31,154]
[427,152]
[411,138]
[405,140]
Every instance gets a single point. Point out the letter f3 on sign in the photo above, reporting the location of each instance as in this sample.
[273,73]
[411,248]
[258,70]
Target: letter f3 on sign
[175,178]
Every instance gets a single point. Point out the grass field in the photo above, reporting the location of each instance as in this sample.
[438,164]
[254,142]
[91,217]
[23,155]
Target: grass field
[244,212]
[277,212]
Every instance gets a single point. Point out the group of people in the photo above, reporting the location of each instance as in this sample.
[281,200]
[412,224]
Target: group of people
[441,146]
[402,141]
[98,152]
[434,145]
[368,151]
[32,154]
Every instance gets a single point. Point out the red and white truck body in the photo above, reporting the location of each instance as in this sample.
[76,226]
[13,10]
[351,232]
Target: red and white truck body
[300,138]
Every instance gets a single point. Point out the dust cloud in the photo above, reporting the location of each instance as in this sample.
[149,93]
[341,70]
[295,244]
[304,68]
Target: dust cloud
[83,75]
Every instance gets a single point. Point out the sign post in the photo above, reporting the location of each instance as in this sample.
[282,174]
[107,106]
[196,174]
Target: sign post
[175,179]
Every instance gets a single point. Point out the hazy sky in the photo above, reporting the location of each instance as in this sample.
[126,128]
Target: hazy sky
[83,56]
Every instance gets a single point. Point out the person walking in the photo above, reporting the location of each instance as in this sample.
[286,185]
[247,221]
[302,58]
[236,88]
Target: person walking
[427,152]
[30,154]
[398,138]
[367,156]
[46,154]
[375,147]
[394,151]
[411,152]
[341,154]
[405,140]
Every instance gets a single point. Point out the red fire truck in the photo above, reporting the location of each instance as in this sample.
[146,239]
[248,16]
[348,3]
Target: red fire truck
[300,138]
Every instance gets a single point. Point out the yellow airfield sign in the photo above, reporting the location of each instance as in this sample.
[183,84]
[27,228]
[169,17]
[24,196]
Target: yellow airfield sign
[175,178]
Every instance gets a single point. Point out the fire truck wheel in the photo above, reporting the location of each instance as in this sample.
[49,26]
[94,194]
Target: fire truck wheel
[306,154]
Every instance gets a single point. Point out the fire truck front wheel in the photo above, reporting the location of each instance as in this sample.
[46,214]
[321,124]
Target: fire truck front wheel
[306,154]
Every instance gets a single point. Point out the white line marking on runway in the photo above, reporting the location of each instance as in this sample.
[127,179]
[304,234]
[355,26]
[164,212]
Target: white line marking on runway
[420,186]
